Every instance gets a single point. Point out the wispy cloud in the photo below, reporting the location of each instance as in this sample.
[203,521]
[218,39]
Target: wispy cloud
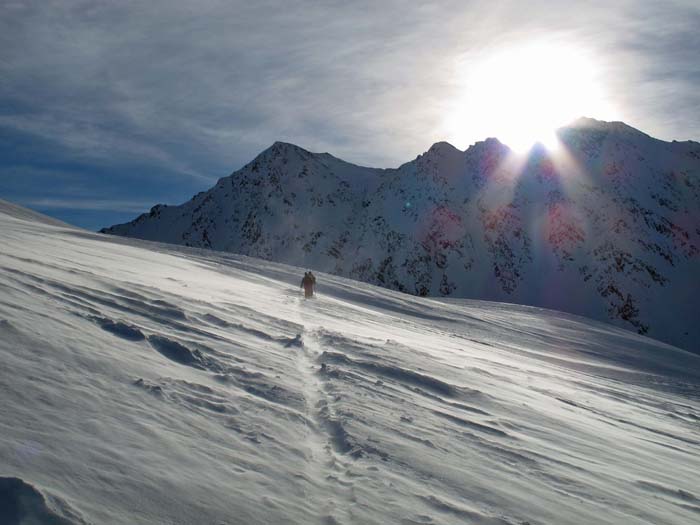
[198,88]
[90,140]
[89,204]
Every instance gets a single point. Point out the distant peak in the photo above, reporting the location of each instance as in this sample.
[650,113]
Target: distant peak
[603,125]
[282,144]
[441,149]
[443,146]
[490,143]
[286,146]
[284,149]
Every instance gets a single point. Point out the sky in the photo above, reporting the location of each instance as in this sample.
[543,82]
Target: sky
[107,108]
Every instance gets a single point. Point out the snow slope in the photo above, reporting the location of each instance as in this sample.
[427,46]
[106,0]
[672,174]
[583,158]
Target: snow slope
[146,383]
[607,227]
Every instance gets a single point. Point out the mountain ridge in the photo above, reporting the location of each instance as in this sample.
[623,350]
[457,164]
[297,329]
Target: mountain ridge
[608,226]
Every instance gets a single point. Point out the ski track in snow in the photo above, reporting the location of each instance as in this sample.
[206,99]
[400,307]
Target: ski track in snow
[330,473]
[334,494]
[149,384]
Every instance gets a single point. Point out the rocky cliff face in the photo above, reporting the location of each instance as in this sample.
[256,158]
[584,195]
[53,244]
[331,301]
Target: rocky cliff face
[608,226]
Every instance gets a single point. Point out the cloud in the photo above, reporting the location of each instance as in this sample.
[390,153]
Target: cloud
[89,204]
[90,140]
[198,88]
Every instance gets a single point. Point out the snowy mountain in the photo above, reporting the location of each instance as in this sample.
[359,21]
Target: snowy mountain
[608,226]
[150,383]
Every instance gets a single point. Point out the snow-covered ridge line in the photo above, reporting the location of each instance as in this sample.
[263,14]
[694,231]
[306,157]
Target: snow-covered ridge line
[608,227]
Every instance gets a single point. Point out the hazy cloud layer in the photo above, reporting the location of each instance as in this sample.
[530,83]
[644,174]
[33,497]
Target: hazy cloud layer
[131,101]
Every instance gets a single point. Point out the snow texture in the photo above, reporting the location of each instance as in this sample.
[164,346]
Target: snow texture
[608,227]
[150,383]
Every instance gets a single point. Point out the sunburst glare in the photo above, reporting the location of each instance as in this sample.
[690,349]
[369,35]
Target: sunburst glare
[523,94]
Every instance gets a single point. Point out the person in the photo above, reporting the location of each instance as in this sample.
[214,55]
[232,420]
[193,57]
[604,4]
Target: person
[308,283]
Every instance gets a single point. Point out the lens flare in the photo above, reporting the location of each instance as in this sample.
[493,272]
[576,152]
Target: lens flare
[522,94]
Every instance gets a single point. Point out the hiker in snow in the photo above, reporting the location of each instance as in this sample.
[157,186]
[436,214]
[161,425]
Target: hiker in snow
[308,283]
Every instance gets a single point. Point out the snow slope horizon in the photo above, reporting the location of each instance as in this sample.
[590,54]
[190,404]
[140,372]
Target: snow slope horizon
[607,227]
[150,383]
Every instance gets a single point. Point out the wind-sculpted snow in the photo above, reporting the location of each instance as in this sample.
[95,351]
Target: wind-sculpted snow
[607,227]
[120,329]
[22,504]
[147,383]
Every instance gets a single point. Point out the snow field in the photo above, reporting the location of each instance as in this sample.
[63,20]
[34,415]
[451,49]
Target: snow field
[144,383]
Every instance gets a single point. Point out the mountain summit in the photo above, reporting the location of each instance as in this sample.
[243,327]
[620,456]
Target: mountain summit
[607,227]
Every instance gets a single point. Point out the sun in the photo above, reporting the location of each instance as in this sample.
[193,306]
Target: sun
[522,94]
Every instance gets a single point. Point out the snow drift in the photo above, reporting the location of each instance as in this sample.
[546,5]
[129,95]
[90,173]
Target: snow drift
[146,383]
